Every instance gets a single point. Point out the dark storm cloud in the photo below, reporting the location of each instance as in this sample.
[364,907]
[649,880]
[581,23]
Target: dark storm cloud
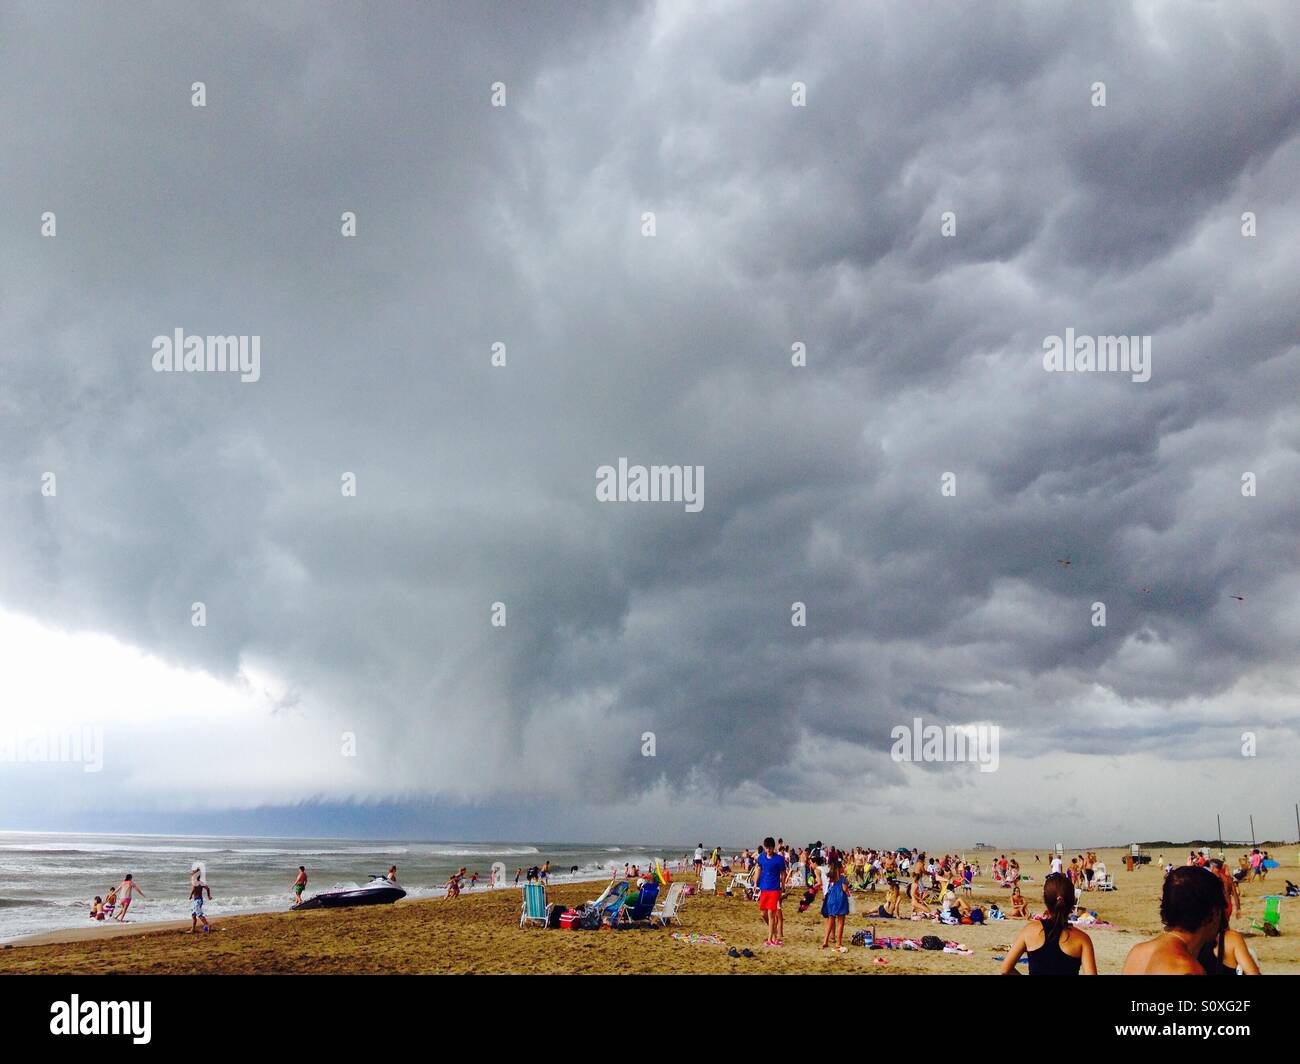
[775,224]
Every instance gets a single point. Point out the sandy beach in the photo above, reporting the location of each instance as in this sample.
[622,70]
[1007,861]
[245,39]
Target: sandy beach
[479,933]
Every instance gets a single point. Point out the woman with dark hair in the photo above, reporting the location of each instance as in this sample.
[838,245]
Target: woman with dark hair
[1193,909]
[1053,946]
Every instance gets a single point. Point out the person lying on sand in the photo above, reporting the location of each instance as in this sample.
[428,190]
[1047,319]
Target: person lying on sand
[1053,946]
[1193,910]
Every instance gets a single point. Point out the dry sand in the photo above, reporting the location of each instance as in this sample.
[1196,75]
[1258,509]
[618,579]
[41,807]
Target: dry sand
[480,934]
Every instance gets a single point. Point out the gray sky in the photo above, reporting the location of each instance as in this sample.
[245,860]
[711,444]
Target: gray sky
[775,224]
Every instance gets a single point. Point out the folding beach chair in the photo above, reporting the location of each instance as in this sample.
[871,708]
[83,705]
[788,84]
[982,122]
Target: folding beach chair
[606,907]
[1272,913]
[534,907]
[644,906]
[604,894]
[709,881]
[1102,879]
[742,881]
[668,910]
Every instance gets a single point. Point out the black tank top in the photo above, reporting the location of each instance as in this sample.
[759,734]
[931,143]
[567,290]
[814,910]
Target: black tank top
[1050,959]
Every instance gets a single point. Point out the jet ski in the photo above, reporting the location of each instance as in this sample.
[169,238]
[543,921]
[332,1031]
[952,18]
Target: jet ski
[379,891]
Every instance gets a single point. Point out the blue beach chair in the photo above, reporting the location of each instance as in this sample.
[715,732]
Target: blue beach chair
[645,904]
[534,908]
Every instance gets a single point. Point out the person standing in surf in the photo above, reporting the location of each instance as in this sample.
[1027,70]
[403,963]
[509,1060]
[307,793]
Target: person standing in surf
[126,891]
[196,906]
[299,885]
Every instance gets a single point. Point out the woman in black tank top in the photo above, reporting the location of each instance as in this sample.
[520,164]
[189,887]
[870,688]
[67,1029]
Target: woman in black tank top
[1049,958]
[1041,941]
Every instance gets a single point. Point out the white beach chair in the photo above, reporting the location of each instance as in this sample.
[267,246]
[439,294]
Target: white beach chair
[1102,879]
[746,886]
[709,881]
[667,910]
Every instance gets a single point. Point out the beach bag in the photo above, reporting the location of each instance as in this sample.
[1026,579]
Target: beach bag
[931,942]
[553,913]
[569,919]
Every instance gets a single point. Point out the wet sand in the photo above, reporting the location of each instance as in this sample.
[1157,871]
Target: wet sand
[480,934]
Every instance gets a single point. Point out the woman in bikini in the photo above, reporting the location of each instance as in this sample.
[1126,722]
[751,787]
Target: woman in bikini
[917,894]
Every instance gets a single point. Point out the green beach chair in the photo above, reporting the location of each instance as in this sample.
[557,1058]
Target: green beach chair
[534,908]
[1272,913]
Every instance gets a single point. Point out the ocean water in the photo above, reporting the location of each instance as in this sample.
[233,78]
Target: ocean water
[47,881]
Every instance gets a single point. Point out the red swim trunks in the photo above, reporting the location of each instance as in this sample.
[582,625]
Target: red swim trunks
[769,900]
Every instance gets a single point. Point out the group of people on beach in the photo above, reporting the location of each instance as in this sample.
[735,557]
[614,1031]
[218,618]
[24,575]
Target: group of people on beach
[1196,905]
[117,902]
[114,904]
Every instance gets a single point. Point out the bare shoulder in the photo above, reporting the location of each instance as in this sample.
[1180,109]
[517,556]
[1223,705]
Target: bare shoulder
[1073,935]
[1160,958]
[1138,958]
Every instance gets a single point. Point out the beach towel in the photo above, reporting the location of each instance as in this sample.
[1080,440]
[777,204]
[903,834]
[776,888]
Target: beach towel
[694,938]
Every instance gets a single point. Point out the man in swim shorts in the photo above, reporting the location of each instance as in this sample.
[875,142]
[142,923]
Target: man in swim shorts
[771,878]
[299,885]
[196,906]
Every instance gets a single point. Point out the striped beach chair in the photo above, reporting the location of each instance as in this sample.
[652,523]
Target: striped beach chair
[534,907]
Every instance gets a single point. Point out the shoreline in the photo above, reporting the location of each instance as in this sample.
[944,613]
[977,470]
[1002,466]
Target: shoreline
[479,933]
[92,931]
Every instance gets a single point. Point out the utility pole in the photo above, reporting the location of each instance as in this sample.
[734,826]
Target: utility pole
[1297,820]
[1219,821]
[1252,831]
